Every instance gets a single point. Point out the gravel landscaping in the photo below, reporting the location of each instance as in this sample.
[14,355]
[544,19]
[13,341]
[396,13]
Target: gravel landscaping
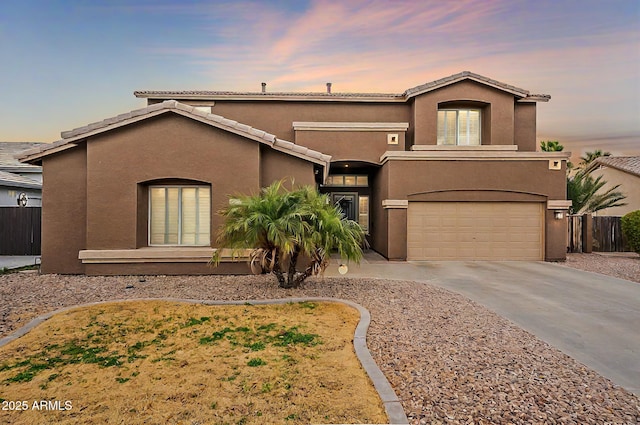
[621,265]
[449,360]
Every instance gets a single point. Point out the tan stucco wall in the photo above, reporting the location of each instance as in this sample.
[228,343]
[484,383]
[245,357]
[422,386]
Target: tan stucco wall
[167,147]
[64,190]
[239,267]
[525,127]
[350,145]
[629,186]
[500,112]
[276,165]
[412,179]
[277,117]
[107,178]
[379,218]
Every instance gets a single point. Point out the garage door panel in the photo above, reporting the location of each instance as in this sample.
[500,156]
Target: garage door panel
[475,230]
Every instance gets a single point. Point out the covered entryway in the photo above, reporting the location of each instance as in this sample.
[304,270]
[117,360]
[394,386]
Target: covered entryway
[475,231]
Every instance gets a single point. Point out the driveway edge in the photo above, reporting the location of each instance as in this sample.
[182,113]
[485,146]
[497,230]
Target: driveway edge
[390,401]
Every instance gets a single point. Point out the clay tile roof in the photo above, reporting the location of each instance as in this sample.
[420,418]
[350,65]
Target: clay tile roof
[466,75]
[8,153]
[16,180]
[365,97]
[213,94]
[78,134]
[629,164]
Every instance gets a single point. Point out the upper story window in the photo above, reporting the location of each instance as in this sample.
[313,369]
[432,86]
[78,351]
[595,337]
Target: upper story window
[180,215]
[459,127]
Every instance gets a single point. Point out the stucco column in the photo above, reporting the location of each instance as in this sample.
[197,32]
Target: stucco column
[396,211]
[556,229]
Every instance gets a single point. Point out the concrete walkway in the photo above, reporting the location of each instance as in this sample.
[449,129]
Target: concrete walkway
[15,261]
[593,318]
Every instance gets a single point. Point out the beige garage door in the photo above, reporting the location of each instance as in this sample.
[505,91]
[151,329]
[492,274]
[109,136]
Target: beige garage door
[475,231]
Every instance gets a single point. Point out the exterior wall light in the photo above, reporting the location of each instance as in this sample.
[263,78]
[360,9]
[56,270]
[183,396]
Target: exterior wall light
[559,214]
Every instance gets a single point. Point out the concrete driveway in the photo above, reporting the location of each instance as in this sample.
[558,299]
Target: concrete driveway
[593,318]
[15,261]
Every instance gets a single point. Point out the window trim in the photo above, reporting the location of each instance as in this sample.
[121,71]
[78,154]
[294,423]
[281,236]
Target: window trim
[344,176]
[457,121]
[368,213]
[179,187]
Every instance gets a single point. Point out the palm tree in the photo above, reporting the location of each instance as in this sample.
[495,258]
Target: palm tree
[554,146]
[582,190]
[281,225]
[589,157]
[551,146]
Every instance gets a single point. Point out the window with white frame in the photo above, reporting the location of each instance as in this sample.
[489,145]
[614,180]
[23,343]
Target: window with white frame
[180,215]
[459,127]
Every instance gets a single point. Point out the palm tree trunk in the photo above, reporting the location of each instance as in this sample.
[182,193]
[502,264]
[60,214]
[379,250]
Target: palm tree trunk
[278,271]
[293,261]
[303,276]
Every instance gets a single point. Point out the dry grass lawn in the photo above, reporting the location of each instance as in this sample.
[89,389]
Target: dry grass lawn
[165,362]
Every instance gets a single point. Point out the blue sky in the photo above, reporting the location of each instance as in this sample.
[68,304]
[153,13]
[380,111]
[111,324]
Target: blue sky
[67,63]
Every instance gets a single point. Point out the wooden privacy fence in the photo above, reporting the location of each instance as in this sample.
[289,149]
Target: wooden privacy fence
[575,238]
[20,230]
[601,234]
[607,235]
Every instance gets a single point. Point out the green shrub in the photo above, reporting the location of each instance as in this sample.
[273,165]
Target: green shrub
[631,229]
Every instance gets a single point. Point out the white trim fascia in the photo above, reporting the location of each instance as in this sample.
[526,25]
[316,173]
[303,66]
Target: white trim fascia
[157,255]
[459,148]
[395,204]
[471,156]
[558,204]
[350,126]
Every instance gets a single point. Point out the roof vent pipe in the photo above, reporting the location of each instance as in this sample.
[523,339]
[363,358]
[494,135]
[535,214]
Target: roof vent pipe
[328,87]
[264,87]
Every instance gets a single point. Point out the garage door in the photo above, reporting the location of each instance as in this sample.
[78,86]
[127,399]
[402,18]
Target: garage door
[475,231]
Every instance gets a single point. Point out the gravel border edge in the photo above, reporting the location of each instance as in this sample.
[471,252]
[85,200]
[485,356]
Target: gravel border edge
[390,400]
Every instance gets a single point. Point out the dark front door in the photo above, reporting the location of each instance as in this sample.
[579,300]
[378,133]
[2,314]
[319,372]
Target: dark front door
[348,203]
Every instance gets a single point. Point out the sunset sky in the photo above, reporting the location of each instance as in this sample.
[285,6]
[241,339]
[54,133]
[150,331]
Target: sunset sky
[68,63]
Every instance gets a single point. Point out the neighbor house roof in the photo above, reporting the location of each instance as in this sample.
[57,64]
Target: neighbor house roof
[524,95]
[628,164]
[8,160]
[72,137]
[15,180]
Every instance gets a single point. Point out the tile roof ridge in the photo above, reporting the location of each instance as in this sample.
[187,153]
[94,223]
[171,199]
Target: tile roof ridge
[68,137]
[463,75]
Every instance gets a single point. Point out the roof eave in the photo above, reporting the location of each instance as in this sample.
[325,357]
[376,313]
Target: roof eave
[8,183]
[465,75]
[534,98]
[315,97]
[73,137]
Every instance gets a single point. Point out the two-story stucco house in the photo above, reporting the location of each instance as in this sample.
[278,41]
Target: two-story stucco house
[447,170]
